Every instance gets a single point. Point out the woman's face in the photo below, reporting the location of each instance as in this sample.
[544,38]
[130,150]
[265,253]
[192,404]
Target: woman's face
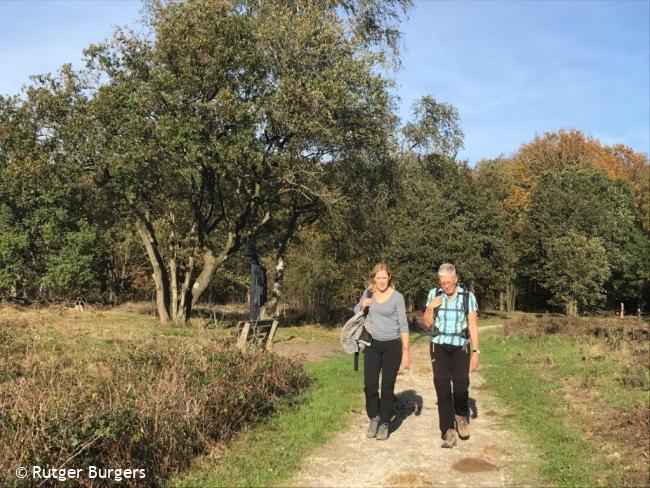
[381,280]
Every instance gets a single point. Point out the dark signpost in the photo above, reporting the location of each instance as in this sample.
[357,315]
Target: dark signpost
[258,281]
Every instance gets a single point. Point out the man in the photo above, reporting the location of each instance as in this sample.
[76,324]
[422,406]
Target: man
[451,357]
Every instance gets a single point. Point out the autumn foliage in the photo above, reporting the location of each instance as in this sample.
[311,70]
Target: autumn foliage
[566,148]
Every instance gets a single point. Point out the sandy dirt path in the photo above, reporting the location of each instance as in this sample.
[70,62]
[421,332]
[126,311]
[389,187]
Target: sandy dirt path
[412,456]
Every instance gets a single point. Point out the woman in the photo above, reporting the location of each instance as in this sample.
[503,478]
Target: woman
[389,349]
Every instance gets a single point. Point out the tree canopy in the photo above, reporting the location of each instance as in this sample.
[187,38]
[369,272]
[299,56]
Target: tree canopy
[230,125]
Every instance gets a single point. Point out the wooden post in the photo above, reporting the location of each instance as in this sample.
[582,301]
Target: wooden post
[269,341]
[622,310]
[243,335]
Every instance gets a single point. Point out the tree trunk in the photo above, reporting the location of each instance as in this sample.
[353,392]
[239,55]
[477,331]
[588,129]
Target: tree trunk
[572,307]
[203,280]
[270,309]
[210,264]
[171,304]
[173,277]
[181,302]
[511,296]
[159,275]
[185,305]
[507,297]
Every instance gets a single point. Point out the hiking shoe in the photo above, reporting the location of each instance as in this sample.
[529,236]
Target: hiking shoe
[382,432]
[449,439]
[372,427]
[462,426]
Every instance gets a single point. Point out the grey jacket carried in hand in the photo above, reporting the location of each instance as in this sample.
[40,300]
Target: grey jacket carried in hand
[351,333]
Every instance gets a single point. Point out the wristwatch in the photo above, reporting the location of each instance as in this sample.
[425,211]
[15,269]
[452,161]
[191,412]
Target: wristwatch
[477,351]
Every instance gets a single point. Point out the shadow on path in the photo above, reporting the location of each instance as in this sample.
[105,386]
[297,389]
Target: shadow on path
[473,409]
[407,402]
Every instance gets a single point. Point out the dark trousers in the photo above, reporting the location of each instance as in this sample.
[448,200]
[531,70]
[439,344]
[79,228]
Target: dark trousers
[384,357]
[450,365]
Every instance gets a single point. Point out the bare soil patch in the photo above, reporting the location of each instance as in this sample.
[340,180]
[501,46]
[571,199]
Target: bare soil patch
[305,350]
[474,465]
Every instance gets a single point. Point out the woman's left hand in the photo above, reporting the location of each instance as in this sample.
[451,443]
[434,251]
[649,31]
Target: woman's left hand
[473,362]
[406,360]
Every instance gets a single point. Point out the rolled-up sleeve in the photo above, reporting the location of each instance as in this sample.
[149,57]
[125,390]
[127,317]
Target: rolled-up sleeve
[401,315]
[473,304]
[364,295]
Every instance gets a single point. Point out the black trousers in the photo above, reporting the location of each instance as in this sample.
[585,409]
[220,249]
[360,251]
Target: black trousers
[384,357]
[450,366]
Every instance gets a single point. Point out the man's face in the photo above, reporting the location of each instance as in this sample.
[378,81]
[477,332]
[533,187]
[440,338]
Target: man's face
[448,283]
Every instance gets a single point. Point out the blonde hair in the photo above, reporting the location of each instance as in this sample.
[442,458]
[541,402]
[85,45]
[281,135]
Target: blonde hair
[379,267]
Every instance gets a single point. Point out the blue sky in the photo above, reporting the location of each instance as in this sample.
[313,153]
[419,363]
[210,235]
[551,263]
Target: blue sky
[513,69]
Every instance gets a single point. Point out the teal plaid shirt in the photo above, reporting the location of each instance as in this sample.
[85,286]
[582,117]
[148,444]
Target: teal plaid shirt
[450,318]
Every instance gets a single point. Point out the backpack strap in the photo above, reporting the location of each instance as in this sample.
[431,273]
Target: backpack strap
[466,303]
[465,308]
[434,331]
[367,309]
[466,311]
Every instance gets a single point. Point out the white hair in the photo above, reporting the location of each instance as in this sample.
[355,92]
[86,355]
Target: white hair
[447,269]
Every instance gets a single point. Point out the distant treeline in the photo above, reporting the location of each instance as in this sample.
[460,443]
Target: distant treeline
[226,132]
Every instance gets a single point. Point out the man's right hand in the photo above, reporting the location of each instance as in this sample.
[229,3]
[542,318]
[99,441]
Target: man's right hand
[437,301]
[427,318]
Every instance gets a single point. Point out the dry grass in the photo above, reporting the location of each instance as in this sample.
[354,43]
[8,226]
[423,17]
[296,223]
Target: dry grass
[612,331]
[607,386]
[109,388]
[140,308]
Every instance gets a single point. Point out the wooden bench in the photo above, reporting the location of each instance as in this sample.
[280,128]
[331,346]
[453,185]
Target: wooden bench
[256,334]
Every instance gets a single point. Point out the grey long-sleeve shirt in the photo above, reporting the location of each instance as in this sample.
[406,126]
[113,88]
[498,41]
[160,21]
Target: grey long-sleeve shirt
[388,319]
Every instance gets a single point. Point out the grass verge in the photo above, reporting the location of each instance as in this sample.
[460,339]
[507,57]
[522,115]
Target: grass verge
[538,411]
[566,396]
[270,453]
